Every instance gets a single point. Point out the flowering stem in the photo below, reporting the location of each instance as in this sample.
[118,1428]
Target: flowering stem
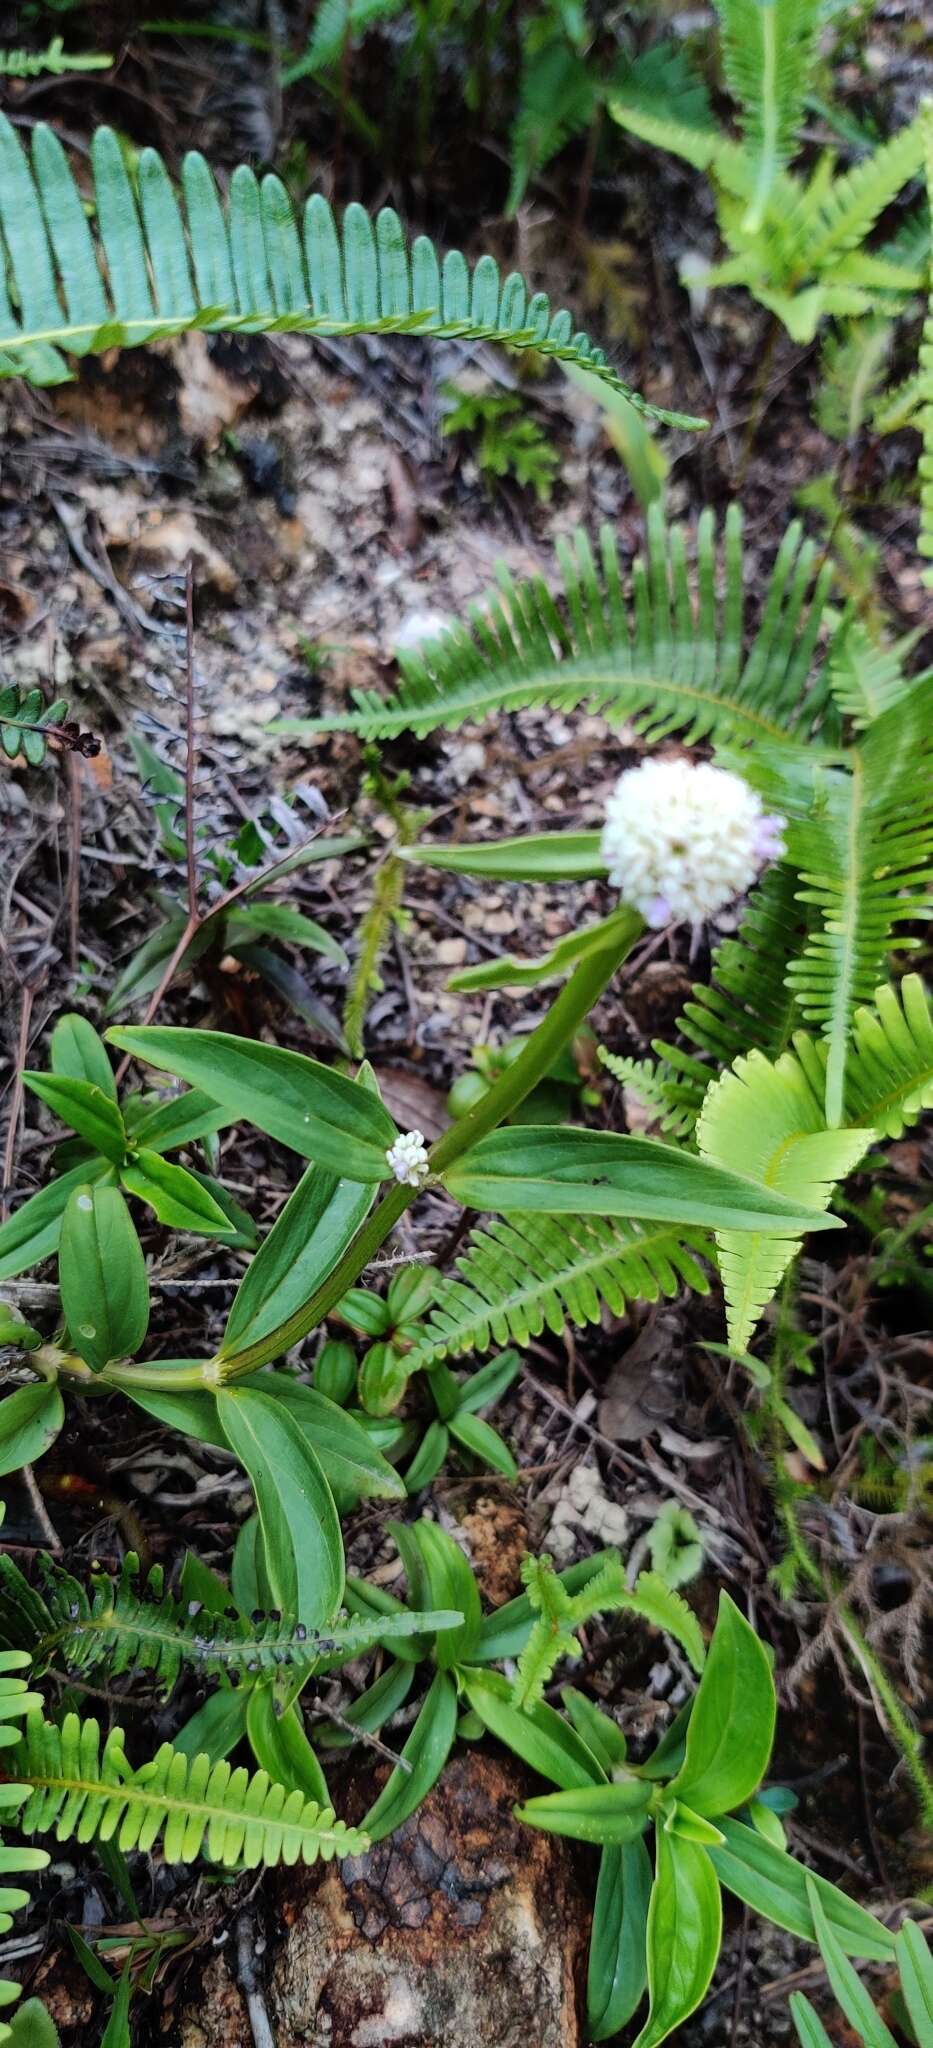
[538,1055]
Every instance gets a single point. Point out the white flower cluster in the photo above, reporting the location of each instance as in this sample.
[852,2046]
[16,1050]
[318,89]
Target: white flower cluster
[681,840]
[408,1159]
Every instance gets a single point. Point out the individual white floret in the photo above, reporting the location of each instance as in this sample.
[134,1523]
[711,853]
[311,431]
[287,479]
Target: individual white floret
[408,1159]
[683,839]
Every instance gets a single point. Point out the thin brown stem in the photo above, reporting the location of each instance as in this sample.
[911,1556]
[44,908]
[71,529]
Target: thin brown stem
[16,1095]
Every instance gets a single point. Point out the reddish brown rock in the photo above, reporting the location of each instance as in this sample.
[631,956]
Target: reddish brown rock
[466,1930]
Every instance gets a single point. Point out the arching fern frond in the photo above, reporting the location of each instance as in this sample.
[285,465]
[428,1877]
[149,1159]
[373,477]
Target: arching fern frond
[154,262]
[123,1627]
[853,203]
[671,1096]
[536,1273]
[77,1790]
[764,1120]
[862,841]
[668,657]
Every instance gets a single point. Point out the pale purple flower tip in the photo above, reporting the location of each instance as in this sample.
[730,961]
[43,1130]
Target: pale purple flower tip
[658,913]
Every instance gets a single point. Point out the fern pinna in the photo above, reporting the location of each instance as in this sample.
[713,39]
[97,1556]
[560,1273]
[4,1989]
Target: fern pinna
[154,263]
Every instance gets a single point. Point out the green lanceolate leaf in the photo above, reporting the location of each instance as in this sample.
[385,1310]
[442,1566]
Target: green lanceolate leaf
[555,965]
[916,1967]
[859,2010]
[79,1052]
[302,1546]
[305,1242]
[372,1708]
[310,1108]
[102,1277]
[539,857]
[85,1109]
[773,1884]
[542,1738]
[608,1814]
[578,1172]
[353,1465]
[30,1420]
[281,1747]
[439,1576]
[732,1724]
[810,2030]
[32,1233]
[618,1962]
[176,1197]
[601,1735]
[425,1754]
[483,1442]
[167,1126]
[684,1935]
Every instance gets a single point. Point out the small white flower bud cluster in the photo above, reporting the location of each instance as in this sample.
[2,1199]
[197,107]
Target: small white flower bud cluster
[681,840]
[408,1159]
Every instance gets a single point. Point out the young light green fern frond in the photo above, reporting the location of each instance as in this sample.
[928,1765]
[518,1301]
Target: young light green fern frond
[889,1074]
[78,1790]
[56,59]
[560,1614]
[854,202]
[671,1098]
[668,656]
[536,1273]
[154,262]
[861,839]
[768,49]
[765,1121]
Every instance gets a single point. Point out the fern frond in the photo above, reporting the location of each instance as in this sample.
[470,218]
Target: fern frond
[154,263]
[77,1790]
[536,1273]
[669,658]
[852,367]
[854,202]
[765,1121]
[745,1004]
[768,53]
[672,1099]
[16,1700]
[123,1628]
[560,1614]
[862,841]
[867,679]
[658,97]
[925,414]
[889,1074]
[337,23]
[558,95]
[59,61]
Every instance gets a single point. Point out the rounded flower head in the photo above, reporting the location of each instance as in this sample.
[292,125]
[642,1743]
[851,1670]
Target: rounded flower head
[408,1159]
[682,840]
